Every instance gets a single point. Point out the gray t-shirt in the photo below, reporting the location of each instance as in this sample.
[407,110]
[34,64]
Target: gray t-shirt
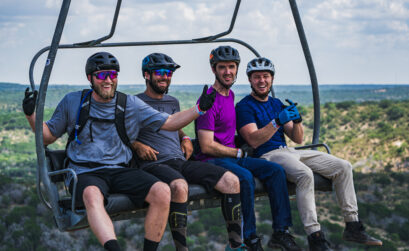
[106,147]
[167,143]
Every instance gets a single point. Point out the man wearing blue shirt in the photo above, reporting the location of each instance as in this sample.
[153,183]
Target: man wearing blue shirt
[262,122]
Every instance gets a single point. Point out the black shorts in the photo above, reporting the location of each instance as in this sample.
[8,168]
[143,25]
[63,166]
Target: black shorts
[133,182]
[194,172]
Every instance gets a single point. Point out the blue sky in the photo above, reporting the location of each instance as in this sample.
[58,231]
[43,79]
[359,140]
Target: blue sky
[351,41]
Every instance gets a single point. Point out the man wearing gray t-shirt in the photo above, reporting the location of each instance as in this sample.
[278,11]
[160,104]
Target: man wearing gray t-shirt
[164,154]
[101,159]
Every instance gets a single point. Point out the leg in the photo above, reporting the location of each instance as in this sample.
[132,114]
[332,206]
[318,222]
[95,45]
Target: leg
[178,206]
[300,174]
[246,192]
[214,177]
[340,172]
[158,211]
[273,176]
[228,183]
[98,219]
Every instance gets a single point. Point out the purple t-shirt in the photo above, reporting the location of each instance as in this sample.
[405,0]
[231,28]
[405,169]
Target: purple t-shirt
[221,119]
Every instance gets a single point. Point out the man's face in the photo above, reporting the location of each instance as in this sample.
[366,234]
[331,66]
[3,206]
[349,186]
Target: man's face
[160,81]
[261,82]
[104,88]
[226,73]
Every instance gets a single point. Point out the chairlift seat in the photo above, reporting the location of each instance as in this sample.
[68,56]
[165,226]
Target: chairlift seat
[120,207]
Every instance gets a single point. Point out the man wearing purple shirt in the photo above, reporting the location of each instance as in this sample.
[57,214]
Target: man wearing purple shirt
[216,131]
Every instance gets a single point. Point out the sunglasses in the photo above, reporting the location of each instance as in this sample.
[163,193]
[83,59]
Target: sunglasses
[162,72]
[102,75]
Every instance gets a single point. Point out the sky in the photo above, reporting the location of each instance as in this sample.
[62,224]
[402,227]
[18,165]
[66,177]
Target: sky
[351,41]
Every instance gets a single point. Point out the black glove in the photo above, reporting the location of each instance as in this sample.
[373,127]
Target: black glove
[206,100]
[29,102]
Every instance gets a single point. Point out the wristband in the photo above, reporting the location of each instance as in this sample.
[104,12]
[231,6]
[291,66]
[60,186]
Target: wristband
[198,110]
[239,152]
[274,123]
[186,137]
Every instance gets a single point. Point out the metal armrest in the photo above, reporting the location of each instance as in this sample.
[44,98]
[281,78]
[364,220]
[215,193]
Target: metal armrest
[74,186]
[314,146]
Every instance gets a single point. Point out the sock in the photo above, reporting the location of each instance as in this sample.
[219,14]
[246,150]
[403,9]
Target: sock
[149,245]
[231,209]
[178,224]
[112,245]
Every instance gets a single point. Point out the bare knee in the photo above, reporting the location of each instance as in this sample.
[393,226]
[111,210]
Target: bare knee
[92,197]
[228,183]
[159,195]
[179,190]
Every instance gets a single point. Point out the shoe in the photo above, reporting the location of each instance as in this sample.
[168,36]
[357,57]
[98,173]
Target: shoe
[254,244]
[317,242]
[242,247]
[355,231]
[283,240]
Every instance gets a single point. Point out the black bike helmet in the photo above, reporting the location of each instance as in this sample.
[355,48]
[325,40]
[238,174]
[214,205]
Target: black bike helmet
[156,61]
[101,61]
[260,64]
[224,53]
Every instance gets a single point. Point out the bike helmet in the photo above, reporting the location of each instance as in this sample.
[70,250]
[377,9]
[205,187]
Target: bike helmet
[224,53]
[260,64]
[101,61]
[158,61]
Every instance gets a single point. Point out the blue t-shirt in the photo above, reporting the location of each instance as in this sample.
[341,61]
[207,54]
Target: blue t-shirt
[249,110]
[106,146]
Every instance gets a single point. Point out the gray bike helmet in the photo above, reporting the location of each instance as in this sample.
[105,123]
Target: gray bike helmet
[101,61]
[223,54]
[156,61]
[260,64]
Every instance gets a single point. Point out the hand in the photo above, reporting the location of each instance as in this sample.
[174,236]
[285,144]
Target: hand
[206,100]
[187,148]
[298,120]
[289,113]
[144,152]
[29,102]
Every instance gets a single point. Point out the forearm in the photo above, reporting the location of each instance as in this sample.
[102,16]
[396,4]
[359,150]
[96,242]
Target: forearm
[180,119]
[261,136]
[297,133]
[48,138]
[218,150]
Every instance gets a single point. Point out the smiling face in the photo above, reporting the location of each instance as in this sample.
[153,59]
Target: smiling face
[226,73]
[157,83]
[104,90]
[261,82]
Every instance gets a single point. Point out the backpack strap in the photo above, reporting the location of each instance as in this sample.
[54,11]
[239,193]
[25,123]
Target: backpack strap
[82,114]
[120,118]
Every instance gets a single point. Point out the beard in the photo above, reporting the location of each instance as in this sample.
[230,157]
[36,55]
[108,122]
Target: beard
[222,83]
[260,95]
[158,89]
[106,95]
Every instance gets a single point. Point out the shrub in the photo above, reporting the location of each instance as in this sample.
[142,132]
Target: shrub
[345,105]
[395,113]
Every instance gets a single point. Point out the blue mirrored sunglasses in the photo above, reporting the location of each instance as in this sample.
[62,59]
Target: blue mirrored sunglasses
[162,72]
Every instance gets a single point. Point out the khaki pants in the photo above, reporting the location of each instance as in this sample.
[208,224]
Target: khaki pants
[300,165]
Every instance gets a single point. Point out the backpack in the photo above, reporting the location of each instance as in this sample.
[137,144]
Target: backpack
[83,117]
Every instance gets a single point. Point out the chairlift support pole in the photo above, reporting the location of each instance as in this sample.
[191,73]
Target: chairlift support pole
[311,70]
[42,165]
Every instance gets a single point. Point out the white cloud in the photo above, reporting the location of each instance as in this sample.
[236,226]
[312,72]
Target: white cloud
[346,37]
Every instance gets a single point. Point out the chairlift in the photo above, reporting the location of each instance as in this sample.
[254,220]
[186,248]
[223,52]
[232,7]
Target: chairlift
[50,163]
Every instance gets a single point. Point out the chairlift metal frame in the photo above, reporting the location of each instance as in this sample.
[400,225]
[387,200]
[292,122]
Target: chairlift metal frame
[44,175]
